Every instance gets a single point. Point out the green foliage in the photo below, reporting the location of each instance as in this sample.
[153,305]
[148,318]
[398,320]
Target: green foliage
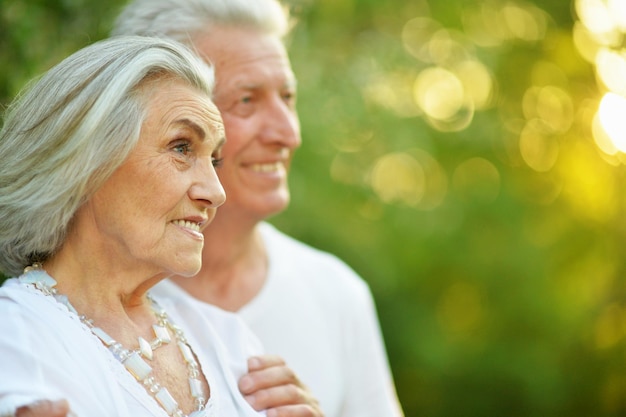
[498,277]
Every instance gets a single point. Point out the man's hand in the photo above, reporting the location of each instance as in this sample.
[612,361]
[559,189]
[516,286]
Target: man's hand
[44,408]
[271,385]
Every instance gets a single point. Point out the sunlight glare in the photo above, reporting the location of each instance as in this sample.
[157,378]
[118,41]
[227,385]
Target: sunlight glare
[611,68]
[393,92]
[595,15]
[477,81]
[611,115]
[416,36]
[439,93]
[539,150]
[617,9]
[398,177]
[524,22]
[552,105]
[413,178]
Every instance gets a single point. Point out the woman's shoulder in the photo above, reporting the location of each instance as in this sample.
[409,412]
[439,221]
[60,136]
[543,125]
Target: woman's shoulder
[17,298]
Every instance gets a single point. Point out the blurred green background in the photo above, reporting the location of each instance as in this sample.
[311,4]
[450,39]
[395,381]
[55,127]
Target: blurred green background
[463,156]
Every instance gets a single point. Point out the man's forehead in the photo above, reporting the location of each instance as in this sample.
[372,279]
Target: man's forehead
[276,78]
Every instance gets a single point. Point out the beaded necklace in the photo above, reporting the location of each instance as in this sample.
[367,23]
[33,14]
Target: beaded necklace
[133,359]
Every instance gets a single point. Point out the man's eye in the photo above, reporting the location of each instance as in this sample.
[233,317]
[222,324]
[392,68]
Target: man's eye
[289,98]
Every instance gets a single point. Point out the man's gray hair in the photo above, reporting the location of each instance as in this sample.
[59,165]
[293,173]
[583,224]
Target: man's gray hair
[68,131]
[182,20]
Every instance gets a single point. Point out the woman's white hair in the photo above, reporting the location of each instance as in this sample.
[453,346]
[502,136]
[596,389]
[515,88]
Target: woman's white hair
[64,136]
[181,20]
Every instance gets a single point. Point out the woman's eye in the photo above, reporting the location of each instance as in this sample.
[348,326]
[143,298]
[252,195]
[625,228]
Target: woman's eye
[182,148]
[217,162]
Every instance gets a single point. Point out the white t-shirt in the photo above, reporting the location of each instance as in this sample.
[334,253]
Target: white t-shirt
[47,353]
[319,315]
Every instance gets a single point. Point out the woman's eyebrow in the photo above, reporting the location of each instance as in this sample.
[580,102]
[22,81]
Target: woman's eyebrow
[193,126]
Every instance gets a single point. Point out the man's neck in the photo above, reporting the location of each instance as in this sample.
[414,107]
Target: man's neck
[234,265]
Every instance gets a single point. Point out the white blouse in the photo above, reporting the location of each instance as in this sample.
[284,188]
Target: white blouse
[46,352]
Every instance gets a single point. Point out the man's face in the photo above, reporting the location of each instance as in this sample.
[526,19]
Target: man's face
[256,95]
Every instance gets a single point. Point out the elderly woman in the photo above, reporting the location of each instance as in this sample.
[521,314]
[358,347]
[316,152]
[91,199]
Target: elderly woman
[107,175]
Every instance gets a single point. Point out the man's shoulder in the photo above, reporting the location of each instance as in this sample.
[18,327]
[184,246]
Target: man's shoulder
[169,294]
[194,314]
[292,257]
[290,248]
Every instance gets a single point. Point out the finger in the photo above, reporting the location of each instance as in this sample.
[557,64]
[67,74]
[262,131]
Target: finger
[280,396]
[267,378]
[44,408]
[256,363]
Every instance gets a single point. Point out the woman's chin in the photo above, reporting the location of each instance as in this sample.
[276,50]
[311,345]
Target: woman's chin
[189,270]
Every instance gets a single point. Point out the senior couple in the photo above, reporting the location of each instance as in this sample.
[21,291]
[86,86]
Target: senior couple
[108,183]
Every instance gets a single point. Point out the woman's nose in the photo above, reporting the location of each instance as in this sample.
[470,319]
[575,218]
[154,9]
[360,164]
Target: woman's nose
[207,187]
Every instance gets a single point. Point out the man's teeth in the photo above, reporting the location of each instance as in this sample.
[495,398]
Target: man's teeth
[188,225]
[273,167]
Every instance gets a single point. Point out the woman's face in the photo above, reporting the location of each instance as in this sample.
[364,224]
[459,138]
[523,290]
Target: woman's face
[151,209]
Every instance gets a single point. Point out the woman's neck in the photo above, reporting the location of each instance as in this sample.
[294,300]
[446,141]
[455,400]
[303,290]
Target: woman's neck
[99,287]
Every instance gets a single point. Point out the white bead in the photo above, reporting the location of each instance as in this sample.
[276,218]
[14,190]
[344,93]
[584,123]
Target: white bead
[196,387]
[156,343]
[144,348]
[102,335]
[137,366]
[162,333]
[39,277]
[187,354]
[166,400]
